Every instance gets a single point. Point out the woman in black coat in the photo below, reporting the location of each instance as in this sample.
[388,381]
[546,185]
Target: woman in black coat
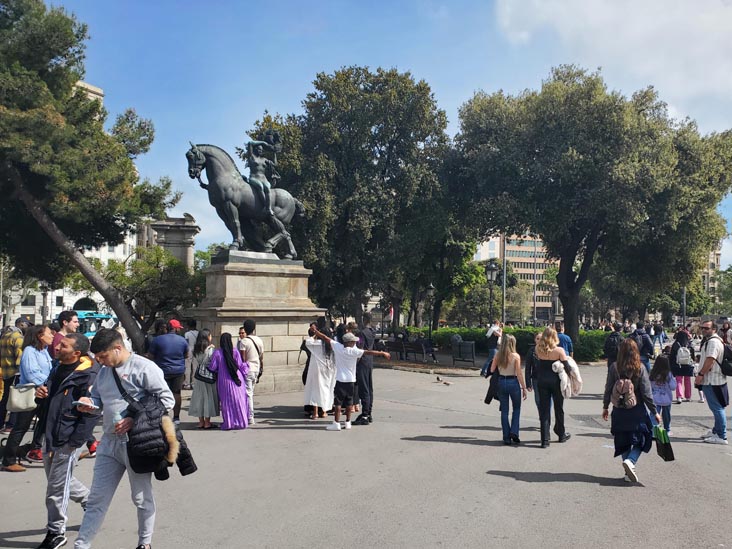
[631,427]
[684,372]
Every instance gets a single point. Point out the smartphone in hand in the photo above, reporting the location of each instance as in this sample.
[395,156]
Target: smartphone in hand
[88,405]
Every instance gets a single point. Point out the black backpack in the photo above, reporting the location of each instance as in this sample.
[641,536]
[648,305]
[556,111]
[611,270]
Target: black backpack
[726,364]
[612,345]
[638,341]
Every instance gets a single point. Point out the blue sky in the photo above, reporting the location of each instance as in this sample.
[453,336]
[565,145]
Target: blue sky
[205,71]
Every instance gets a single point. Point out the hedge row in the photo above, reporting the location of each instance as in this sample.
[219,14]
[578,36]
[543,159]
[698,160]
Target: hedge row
[587,349]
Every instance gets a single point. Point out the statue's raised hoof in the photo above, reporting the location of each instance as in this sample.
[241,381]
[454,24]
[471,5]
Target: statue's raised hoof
[233,246]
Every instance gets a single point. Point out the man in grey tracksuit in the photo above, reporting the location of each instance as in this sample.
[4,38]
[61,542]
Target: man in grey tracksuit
[66,431]
[138,376]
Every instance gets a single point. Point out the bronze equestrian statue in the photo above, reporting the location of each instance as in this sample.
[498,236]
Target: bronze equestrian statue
[243,204]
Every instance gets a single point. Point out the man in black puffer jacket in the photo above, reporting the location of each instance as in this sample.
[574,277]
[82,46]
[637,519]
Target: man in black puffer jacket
[67,430]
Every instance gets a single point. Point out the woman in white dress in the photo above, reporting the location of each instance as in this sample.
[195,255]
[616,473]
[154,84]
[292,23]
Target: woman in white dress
[320,382]
[205,398]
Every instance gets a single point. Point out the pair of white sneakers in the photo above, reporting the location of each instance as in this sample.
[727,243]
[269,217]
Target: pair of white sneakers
[712,438]
[336,426]
[630,473]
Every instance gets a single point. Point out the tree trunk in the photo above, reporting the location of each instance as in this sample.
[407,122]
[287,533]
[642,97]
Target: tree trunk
[396,305]
[108,292]
[571,303]
[436,310]
[570,283]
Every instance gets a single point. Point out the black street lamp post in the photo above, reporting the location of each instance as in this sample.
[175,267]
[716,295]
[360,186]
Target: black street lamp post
[491,273]
[44,307]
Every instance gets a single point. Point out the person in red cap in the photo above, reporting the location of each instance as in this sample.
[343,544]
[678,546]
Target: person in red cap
[169,351]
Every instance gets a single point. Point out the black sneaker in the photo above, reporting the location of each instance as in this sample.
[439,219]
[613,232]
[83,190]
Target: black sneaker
[144,546]
[361,420]
[371,419]
[52,541]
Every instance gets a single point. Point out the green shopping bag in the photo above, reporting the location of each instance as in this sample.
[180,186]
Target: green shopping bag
[663,445]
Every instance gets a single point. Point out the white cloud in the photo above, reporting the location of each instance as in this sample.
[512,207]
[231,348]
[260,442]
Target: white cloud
[683,48]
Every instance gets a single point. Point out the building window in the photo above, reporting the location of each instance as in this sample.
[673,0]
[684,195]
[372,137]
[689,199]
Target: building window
[111,248]
[29,301]
[59,301]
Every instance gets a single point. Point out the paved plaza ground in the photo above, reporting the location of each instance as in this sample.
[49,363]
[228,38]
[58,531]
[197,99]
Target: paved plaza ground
[431,471]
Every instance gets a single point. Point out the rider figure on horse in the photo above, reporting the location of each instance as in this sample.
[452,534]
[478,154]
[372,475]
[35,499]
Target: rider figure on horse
[258,167]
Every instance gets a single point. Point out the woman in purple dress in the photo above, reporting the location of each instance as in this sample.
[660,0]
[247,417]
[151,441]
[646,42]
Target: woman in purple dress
[230,383]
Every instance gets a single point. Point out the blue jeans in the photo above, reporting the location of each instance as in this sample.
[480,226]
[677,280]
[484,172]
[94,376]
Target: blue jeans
[665,412]
[646,362]
[508,388]
[720,419]
[487,366]
[633,454]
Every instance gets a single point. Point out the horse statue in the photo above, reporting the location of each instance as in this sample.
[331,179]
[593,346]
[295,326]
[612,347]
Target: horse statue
[240,208]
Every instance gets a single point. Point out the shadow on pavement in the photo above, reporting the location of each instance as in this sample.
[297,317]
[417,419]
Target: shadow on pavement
[472,427]
[588,396]
[289,417]
[560,477]
[6,536]
[458,440]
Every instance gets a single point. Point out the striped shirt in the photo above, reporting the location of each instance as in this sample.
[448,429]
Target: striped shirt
[713,347]
[11,349]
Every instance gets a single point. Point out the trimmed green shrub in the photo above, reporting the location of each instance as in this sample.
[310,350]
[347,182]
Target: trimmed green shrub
[589,347]
[524,338]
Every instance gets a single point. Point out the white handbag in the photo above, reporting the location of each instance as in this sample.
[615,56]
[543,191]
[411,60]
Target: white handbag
[22,398]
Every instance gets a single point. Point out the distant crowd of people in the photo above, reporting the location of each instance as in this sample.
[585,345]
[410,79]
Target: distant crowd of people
[641,384]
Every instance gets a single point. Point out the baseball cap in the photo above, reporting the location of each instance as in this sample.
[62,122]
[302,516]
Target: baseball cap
[23,320]
[175,324]
[348,337]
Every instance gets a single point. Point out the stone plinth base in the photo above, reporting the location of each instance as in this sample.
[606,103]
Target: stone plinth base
[274,293]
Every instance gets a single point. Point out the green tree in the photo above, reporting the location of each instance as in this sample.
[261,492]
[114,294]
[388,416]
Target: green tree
[67,182]
[724,289]
[153,282]
[364,159]
[594,173]
[518,301]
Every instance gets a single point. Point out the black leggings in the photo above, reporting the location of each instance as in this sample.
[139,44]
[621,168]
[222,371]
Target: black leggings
[549,389]
[23,421]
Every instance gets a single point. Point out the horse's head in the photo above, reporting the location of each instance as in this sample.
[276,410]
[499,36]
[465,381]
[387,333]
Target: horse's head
[196,162]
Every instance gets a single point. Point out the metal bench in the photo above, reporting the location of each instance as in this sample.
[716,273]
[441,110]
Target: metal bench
[463,352]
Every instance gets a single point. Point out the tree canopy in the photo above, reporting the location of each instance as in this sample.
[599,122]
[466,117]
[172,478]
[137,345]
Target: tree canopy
[366,158]
[68,183]
[594,173]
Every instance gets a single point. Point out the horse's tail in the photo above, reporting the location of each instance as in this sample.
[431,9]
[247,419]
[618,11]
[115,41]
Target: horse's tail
[299,208]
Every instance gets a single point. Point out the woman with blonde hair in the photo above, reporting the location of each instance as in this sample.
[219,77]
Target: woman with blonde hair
[549,387]
[511,386]
[630,426]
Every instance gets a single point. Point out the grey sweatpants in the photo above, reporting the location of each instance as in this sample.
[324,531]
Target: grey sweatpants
[62,486]
[111,464]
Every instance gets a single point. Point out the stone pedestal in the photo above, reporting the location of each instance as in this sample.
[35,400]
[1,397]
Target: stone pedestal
[273,292]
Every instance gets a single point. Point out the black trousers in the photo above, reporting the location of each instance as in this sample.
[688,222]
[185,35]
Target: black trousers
[22,424]
[7,382]
[365,381]
[549,389]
